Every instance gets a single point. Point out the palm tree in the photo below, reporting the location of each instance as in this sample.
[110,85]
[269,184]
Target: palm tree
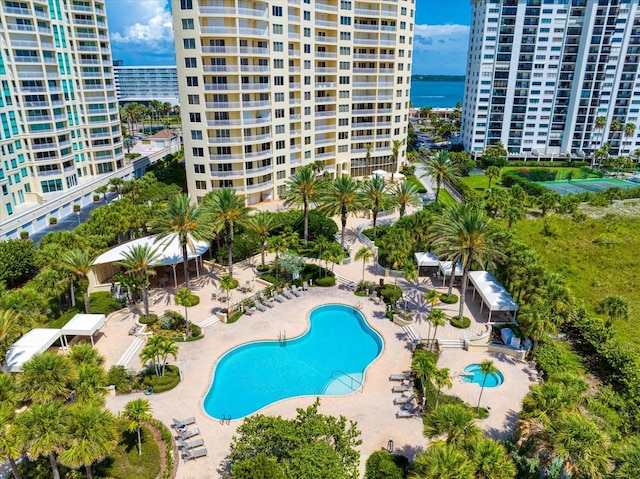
[600,122]
[322,243]
[465,233]
[303,189]
[405,194]
[227,282]
[629,129]
[183,219]
[437,318]
[79,263]
[46,377]
[9,448]
[377,198]
[40,431]
[492,172]
[8,330]
[139,262]
[317,166]
[136,412]
[224,209]
[456,421]
[262,223]
[432,298]
[183,297]
[486,367]
[90,385]
[277,245]
[441,461]
[441,169]
[154,109]
[395,151]
[423,366]
[491,459]
[547,201]
[536,322]
[93,436]
[116,183]
[616,125]
[615,307]
[365,255]
[342,197]
[157,350]
[440,380]
[102,190]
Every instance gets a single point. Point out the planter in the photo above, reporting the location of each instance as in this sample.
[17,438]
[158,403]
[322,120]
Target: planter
[53,221]
[96,198]
[401,321]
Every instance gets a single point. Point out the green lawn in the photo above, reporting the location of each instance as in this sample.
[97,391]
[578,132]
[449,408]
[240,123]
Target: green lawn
[597,258]
[445,197]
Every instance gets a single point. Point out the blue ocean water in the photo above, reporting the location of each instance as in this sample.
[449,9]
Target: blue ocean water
[338,346]
[436,94]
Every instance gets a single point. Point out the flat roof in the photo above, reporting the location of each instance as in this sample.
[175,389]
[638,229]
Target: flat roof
[36,341]
[84,324]
[426,259]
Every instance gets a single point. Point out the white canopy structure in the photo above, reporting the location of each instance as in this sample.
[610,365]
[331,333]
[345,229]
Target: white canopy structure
[83,325]
[34,342]
[428,262]
[169,254]
[493,294]
[445,271]
[382,173]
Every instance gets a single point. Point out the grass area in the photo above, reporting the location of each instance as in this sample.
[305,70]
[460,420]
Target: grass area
[597,258]
[125,462]
[412,180]
[445,197]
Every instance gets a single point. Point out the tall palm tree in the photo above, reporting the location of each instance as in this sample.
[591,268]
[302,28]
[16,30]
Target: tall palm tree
[182,218]
[440,380]
[376,196]
[157,350]
[486,367]
[277,245]
[102,190]
[79,263]
[456,421]
[46,377]
[536,322]
[395,152]
[465,234]
[342,197]
[600,122]
[365,255]
[227,282]
[492,172]
[154,110]
[303,189]
[403,195]
[437,318]
[262,223]
[629,129]
[93,436]
[139,261]
[223,210]
[9,330]
[423,366]
[441,169]
[136,412]
[9,448]
[615,307]
[491,459]
[90,385]
[40,431]
[183,297]
[432,298]
[441,461]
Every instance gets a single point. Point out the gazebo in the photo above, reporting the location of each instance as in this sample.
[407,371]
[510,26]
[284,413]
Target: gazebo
[83,325]
[492,293]
[428,263]
[445,270]
[36,341]
[169,254]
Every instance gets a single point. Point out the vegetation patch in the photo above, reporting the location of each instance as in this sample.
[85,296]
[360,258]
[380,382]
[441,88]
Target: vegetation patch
[448,298]
[326,282]
[460,324]
[167,382]
[234,317]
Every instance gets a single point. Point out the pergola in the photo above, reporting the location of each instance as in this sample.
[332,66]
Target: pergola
[34,342]
[83,325]
[429,261]
[445,270]
[493,294]
[169,254]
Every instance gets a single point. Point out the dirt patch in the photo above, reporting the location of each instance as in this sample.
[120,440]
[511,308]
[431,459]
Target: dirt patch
[629,207]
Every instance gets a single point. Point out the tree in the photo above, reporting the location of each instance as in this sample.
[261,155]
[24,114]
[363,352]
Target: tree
[466,234]
[600,122]
[93,436]
[490,459]
[615,307]
[629,129]
[116,184]
[79,263]
[486,367]
[139,261]
[441,461]
[277,245]
[46,377]
[376,197]
[184,297]
[432,298]
[536,322]
[342,197]
[8,331]
[224,209]
[547,201]
[365,255]
[9,448]
[157,350]
[128,143]
[17,257]
[437,318]
[395,152]
[183,219]
[403,195]
[492,172]
[440,169]
[456,421]
[227,283]
[441,379]
[513,213]
[616,125]
[135,413]
[262,223]
[303,189]
[102,190]
[423,366]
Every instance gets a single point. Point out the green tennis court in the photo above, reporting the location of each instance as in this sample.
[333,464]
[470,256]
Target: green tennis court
[564,187]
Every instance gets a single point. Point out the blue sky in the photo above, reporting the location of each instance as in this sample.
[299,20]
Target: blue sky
[141,34]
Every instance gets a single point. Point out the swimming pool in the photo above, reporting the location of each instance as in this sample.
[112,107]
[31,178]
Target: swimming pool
[329,359]
[472,374]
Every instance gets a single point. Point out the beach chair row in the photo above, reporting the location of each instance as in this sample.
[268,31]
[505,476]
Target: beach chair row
[189,449]
[263,303]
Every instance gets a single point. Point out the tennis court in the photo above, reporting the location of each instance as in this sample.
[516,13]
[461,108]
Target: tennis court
[564,187]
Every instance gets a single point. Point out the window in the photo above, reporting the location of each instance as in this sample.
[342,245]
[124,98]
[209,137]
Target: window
[280,160]
[278,80]
[278,47]
[196,135]
[192,81]
[344,80]
[344,94]
[345,5]
[278,63]
[277,29]
[276,11]
[345,51]
[193,99]
[189,43]
[279,129]
[190,62]
[343,135]
[343,121]
[307,48]
[186,5]
[187,24]
[345,20]
[201,185]
[279,97]
[281,174]
[345,65]
[280,145]
[307,15]
[197,151]
[194,117]
[280,113]
[345,35]
[198,168]
[307,32]
[343,108]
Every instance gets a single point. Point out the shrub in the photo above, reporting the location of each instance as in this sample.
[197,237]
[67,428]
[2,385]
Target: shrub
[312,272]
[366,286]
[456,323]
[234,317]
[448,299]
[196,334]
[24,234]
[151,319]
[103,302]
[390,293]
[164,383]
[325,282]
[119,377]
[270,278]
[383,465]
[53,220]
[96,198]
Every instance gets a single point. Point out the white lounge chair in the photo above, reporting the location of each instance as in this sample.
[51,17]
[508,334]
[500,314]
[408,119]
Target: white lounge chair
[404,399]
[399,377]
[277,297]
[266,301]
[190,445]
[259,305]
[407,414]
[400,389]
[249,311]
[295,290]
[177,423]
[194,453]
[305,286]
[188,433]
[287,293]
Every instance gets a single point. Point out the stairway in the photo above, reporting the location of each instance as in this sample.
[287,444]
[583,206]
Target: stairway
[451,343]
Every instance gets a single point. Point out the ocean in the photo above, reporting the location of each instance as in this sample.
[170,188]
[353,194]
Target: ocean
[437,94]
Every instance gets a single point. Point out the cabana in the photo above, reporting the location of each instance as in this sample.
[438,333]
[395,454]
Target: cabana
[492,293]
[34,342]
[427,263]
[83,325]
[445,270]
[169,254]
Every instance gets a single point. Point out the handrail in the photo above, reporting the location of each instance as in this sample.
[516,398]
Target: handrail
[342,374]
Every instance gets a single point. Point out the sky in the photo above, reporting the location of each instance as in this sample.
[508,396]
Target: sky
[141,34]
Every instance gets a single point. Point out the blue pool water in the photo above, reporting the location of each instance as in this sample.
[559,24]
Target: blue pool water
[329,359]
[473,375]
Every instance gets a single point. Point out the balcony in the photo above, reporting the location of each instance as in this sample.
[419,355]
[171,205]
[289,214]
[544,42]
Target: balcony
[325,7]
[220,105]
[325,39]
[221,86]
[255,86]
[228,174]
[325,99]
[220,68]
[223,123]
[260,186]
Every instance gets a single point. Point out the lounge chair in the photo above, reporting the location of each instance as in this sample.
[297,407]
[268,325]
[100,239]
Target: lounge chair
[259,305]
[249,311]
[287,293]
[214,295]
[247,286]
[305,286]
[400,389]
[177,423]
[222,297]
[266,301]
[295,290]
[399,377]
[404,400]
[194,453]
[404,413]
[277,297]
[188,433]
[190,445]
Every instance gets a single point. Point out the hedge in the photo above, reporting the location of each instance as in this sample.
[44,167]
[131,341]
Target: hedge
[325,282]
[164,383]
[456,323]
[448,299]
[384,465]
[103,302]
[510,178]
[549,164]
[149,320]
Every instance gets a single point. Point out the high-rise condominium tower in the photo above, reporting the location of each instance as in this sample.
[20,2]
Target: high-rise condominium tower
[269,86]
[548,77]
[58,107]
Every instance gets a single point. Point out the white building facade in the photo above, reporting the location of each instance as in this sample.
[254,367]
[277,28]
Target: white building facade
[58,109]
[540,72]
[141,84]
[267,87]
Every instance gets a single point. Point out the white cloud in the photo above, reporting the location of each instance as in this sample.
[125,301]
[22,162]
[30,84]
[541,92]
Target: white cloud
[140,21]
[452,31]
[440,49]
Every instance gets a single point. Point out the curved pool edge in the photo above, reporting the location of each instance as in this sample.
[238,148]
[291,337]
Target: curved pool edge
[364,319]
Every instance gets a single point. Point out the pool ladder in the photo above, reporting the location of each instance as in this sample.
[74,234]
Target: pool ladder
[282,338]
[225,419]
